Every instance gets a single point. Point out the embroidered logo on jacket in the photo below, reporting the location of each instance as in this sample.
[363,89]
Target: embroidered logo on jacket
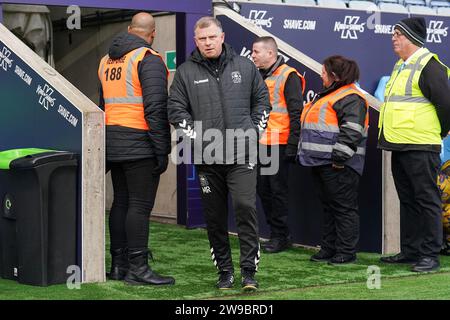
[236,77]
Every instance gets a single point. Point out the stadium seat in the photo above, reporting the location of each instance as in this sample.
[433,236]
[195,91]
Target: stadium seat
[338,4]
[414,3]
[301,2]
[386,1]
[421,10]
[435,4]
[363,5]
[267,1]
[392,7]
[379,92]
[443,11]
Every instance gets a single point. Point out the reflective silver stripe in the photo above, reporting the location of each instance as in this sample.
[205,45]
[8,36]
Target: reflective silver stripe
[328,148]
[323,112]
[415,67]
[323,108]
[124,100]
[317,147]
[276,107]
[345,149]
[361,151]
[321,127]
[356,127]
[409,99]
[129,79]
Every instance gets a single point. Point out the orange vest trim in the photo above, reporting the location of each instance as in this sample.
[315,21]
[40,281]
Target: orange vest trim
[122,90]
[321,112]
[278,127]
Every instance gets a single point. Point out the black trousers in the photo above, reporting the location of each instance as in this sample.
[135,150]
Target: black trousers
[273,191]
[134,195]
[216,182]
[338,191]
[415,177]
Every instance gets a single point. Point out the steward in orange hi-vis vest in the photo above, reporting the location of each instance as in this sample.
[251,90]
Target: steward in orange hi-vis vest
[133,93]
[122,90]
[321,131]
[133,80]
[278,126]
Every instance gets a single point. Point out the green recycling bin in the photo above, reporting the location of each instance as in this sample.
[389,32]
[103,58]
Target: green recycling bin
[38,193]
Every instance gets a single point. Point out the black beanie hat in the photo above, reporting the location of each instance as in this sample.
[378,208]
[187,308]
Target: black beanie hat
[414,29]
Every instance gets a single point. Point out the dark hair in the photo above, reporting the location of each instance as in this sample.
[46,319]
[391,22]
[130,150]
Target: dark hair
[269,42]
[342,70]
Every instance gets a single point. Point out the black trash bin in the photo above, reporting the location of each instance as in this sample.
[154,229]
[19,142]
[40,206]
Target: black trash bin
[38,192]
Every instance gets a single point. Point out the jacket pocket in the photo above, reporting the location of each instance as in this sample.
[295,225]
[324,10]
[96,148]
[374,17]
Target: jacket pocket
[403,117]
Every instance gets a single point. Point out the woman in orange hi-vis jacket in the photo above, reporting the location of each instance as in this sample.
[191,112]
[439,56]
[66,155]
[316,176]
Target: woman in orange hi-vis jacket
[333,141]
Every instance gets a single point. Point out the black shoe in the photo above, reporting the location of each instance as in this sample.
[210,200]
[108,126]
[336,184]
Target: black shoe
[340,259]
[277,245]
[426,265]
[226,280]
[140,272]
[321,256]
[249,284]
[119,264]
[398,258]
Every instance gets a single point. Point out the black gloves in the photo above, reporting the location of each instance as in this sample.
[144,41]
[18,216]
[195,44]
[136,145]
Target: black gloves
[161,165]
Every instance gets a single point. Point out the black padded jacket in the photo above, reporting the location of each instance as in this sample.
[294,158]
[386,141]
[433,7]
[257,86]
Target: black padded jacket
[123,143]
[225,94]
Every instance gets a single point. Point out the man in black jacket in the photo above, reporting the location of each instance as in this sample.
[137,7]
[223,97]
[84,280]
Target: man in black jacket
[133,94]
[285,86]
[223,93]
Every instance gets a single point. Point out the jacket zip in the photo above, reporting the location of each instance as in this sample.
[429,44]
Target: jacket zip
[221,95]
[216,74]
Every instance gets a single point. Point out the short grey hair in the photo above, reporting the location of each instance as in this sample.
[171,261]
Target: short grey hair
[205,22]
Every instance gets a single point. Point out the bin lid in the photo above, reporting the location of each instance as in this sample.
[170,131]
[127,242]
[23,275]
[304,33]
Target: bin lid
[7,156]
[30,158]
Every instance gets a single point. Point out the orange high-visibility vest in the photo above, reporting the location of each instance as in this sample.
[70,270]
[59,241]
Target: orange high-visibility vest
[122,90]
[320,129]
[279,125]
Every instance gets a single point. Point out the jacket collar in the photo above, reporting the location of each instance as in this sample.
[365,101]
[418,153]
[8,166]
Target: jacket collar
[268,72]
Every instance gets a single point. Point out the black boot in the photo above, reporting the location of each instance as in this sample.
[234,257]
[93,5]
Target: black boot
[140,272]
[119,264]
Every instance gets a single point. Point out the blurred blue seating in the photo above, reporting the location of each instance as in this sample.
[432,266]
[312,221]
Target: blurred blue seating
[339,4]
[420,10]
[301,2]
[392,7]
[362,5]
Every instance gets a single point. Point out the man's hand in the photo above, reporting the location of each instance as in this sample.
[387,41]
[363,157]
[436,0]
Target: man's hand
[161,165]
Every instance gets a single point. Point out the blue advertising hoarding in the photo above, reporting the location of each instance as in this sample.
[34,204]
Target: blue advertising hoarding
[32,110]
[359,35]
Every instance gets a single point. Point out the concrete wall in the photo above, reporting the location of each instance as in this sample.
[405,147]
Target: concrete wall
[77,54]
